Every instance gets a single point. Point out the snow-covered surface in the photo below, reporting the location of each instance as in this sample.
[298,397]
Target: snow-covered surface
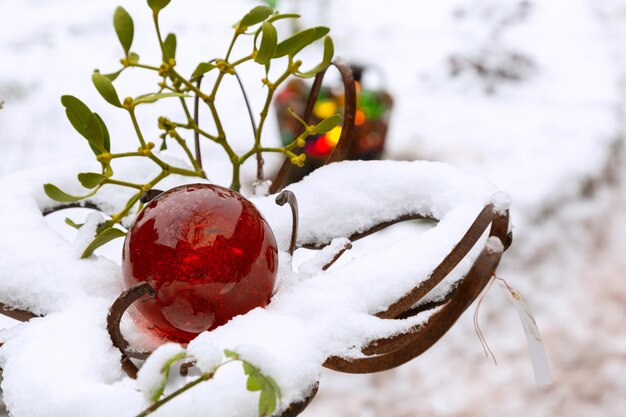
[328,314]
[151,378]
[548,139]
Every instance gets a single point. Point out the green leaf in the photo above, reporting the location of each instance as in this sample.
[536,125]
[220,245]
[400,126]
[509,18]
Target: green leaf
[268,44]
[257,381]
[299,41]
[202,69]
[170,46]
[165,371]
[104,237]
[106,139]
[254,383]
[158,5]
[71,222]
[104,226]
[171,361]
[274,385]
[267,402]
[77,113]
[254,16]
[106,89]
[231,354]
[248,368]
[88,124]
[329,51]
[95,133]
[283,16]
[124,27]
[113,76]
[56,194]
[151,98]
[327,124]
[90,179]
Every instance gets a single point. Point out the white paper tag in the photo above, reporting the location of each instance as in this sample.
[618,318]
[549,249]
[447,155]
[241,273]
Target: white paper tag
[536,347]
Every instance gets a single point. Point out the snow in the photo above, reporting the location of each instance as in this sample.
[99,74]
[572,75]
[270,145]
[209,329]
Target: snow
[206,357]
[353,205]
[328,314]
[549,139]
[494,245]
[324,257]
[151,376]
[45,357]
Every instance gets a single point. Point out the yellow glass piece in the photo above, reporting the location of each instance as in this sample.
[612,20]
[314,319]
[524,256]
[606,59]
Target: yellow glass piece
[334,135]
[324,109]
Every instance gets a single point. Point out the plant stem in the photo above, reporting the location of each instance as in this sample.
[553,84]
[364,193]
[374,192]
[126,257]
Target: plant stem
[123,183]
[271,88]
[196,122]
[232,44]
[189,85]
[259,173]
[156,405]
[155,18]
[183,144]
[251,152]
[241,61]
[185,172]
[148,67]
[205,134]
[117,218]
[236,182]
[126,154]
[158,161]
[131,111]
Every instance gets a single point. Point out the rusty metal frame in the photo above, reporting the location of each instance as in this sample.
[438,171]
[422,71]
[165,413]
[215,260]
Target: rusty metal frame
[381,354]
[345,139]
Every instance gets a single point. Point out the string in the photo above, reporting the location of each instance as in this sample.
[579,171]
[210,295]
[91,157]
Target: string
[479,333]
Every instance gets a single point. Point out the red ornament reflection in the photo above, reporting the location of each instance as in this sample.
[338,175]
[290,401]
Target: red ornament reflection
[207,253]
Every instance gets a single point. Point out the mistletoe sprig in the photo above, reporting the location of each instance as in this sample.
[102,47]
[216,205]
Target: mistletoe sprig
[269,397]
[258,26]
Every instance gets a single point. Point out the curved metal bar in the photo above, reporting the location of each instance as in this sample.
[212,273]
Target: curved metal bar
[429,305]
[349,113]
[346,247]
[287,197]
[417,343]
[402,348]
[17,314]
[499,229]
[117,310]
[259,158]
[150,195]
[296,408]
[459,251]
[82,204]
[345,139]
[376,228]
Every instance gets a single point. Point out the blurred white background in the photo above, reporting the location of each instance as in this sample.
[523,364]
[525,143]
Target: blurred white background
[527,93]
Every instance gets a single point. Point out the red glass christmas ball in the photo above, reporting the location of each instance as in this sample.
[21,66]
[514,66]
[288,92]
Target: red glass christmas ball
[207,253]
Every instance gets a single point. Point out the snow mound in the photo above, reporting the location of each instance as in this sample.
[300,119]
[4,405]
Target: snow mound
[312,317]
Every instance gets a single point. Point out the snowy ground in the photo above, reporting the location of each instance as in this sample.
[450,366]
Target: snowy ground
[546,131]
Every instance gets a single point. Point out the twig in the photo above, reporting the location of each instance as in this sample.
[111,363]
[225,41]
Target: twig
[196,133]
